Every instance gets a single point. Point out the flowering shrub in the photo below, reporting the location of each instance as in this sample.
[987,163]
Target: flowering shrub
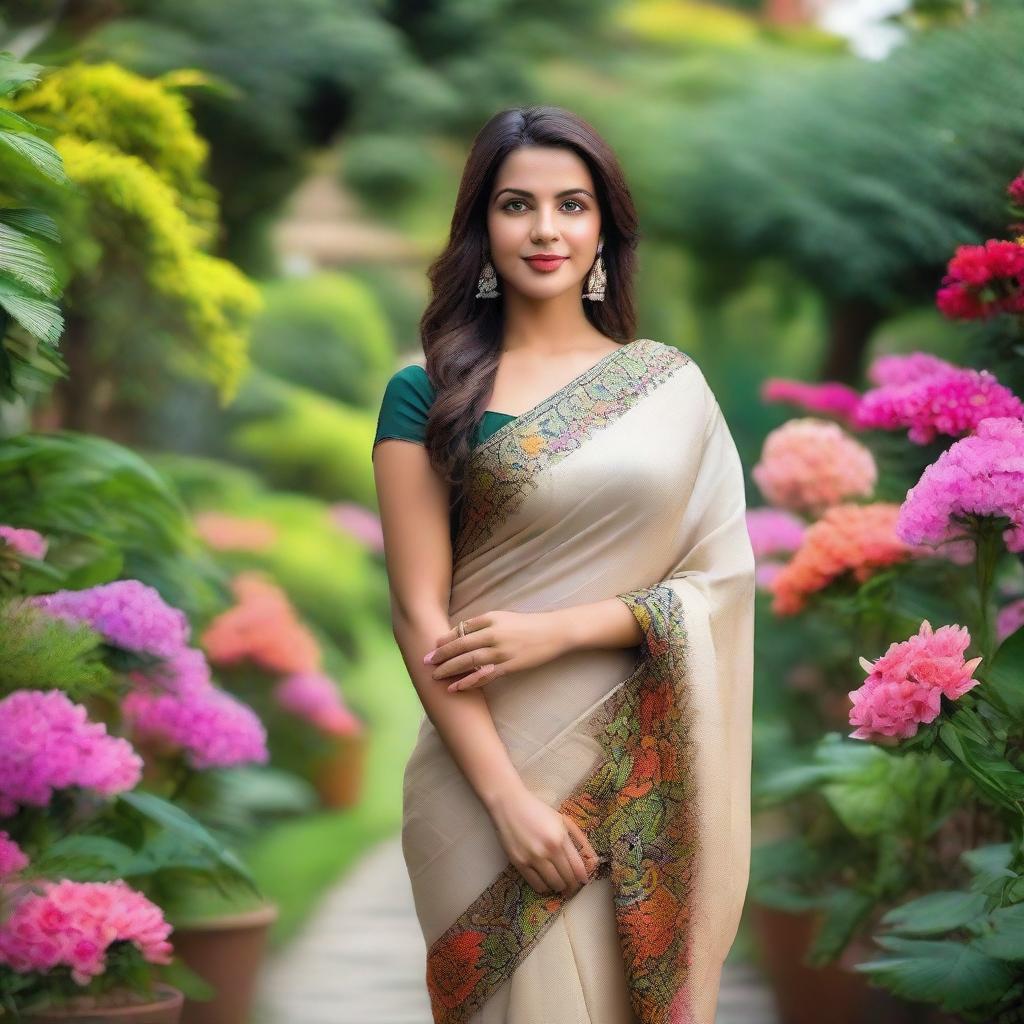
[25,541]
[48,743]
[830,398]
[808,465]
[855,539]
[904,687]
[262,628]
[982,280]
[74,924]
[128,613]
[315,697]
[980,475]
[12,858]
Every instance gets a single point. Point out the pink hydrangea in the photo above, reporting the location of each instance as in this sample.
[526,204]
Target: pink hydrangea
[980,475]
[25,541]
[949,400]
[1015,190]
[315,697]
[830,398]
[128,613]
[808,465]
[48,743]
[73,924]
[1010,619]
[774,531]
[904,368]
[12,858]
[904,687]
[178,705]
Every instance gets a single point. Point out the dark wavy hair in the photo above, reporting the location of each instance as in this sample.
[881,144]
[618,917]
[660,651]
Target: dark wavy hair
[461,335]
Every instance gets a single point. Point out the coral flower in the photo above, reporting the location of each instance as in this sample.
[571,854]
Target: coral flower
[808,465]
[905,687]
[857,539]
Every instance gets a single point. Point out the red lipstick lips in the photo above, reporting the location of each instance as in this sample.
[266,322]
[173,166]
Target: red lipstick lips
[546,261]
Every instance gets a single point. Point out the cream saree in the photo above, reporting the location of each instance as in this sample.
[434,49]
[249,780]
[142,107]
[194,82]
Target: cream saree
[625,483]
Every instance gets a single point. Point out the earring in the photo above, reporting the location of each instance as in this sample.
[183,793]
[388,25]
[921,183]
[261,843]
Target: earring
[597,280]
[487,285]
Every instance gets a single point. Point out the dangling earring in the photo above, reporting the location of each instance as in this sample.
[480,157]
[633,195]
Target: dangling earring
[487,285]
[597,280]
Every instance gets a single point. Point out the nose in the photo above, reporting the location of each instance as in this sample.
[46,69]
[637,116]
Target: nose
[544,223]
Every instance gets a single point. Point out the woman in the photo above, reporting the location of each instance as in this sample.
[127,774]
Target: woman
[572,593]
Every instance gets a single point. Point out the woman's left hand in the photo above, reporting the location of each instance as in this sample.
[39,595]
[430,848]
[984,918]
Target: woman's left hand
[495,644]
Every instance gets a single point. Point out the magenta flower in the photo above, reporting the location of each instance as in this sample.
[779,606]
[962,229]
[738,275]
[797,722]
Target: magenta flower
[360,522]
[128,613]
[1009,619]
[774,531]
[178,705]
[73,924]
[48,743]
[980,475]
[948,400]
[830,398]
[808,465]
[315,697]
[1015,190]
[11,856]
[982,280]
[904,687]
[25,541]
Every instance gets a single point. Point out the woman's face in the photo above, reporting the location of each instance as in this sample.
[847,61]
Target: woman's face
[543,201]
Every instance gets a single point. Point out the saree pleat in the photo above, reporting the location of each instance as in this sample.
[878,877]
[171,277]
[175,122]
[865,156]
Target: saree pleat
[624,483]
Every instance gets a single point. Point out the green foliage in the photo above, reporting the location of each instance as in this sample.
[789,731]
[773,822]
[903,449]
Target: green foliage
[328,333]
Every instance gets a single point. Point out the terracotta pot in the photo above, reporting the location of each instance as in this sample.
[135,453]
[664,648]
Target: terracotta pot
[164,1009]
[227,951]
[801,991]
[338,776]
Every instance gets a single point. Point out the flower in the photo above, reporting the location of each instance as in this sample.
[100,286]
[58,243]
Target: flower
[48,743]
[73,924]
[11,856]
[263,628]
[25,541]
[947,399]
[982,280]
[809,464]
[315,697]
[1015,190]
[831,397]
[224,532]
[178,705]
[858,539]
[904,368]
[128,613]
[773,531]
[905,686]
[1009,619]
[359,522]
[980,475]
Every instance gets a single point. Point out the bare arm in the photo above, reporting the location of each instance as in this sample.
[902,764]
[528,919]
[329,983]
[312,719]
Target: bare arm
[413,502]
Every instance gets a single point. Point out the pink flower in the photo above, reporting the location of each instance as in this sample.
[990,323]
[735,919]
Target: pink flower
[904,687]
[981,475]
[73,924]
[359,522]
[774,531]
[11,856]
[830,398]
[895,368]
[177,704]
[315,697]
[982,280]
[1009,619]
[808,465]
[1015,190]
[25,541]
[128,613]
[224,532]
[947,399]
[48,743]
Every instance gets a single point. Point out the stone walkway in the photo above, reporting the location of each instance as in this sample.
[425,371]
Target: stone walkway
[360,959]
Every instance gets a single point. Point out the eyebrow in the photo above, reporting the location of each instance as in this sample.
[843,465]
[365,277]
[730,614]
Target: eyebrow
[558,195]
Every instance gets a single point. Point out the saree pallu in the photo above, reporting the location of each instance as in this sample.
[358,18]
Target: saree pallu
[625,483]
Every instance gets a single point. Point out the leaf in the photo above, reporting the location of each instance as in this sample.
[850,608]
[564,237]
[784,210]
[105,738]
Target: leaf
[1005,938]
[38,152]
[39,317]
[952,974]
[1005,675]
[936,912]
[85,858]
[22,258]
[845,910]
[35,222]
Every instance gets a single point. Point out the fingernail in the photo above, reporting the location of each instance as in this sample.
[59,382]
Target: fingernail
[428,656]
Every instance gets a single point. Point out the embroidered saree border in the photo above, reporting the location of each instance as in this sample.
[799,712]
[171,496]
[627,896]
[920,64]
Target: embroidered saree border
[503,467]
[638,806]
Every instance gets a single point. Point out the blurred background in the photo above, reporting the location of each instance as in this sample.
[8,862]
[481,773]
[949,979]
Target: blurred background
[215,227]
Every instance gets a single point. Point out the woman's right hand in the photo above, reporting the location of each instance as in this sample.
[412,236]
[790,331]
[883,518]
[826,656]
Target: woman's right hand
[542,843]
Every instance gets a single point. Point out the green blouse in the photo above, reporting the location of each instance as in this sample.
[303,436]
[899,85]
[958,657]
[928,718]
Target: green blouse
[404,408]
